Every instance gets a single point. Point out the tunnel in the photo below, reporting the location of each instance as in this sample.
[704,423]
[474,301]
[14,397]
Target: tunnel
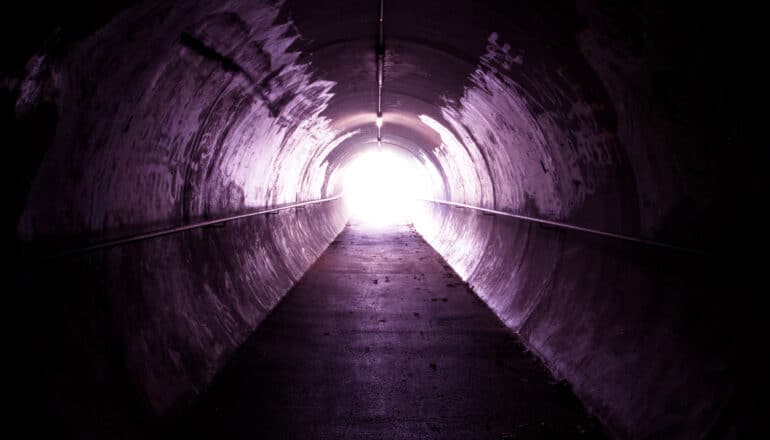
[590,179]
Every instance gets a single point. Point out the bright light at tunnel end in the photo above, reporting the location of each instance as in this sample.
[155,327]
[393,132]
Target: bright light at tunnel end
[382,188]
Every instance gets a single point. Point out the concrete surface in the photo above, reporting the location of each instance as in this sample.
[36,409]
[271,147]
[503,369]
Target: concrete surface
[381,339]
[143,332]
[642,118]
[600,313]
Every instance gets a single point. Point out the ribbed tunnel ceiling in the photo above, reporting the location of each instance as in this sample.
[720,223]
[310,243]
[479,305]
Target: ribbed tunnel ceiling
[595,114]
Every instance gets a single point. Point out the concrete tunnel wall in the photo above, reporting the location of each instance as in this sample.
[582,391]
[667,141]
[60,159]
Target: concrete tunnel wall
[187,140]
[176,112]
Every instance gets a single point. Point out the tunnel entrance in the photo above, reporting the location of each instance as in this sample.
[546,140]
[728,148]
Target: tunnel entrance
[383,186]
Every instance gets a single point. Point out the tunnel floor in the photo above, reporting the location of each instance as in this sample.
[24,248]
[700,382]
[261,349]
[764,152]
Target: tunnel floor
[381,339]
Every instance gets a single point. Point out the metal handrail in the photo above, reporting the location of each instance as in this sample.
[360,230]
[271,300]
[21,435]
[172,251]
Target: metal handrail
[161,232]
[568,226]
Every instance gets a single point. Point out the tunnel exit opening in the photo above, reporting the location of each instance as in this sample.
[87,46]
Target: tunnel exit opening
[383,187]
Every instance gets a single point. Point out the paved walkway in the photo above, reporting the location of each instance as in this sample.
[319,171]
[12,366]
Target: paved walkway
[382,340]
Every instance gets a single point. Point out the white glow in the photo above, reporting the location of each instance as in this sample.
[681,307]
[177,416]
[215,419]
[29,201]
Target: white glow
[382,187]
[379,121]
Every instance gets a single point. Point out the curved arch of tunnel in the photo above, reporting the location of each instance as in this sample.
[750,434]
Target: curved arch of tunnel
[199,112]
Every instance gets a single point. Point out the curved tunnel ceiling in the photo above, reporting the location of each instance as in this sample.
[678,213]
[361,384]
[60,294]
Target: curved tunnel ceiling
[509,114]
[180,111]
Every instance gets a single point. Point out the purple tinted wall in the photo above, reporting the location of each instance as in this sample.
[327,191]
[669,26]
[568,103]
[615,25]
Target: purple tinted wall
[608,117]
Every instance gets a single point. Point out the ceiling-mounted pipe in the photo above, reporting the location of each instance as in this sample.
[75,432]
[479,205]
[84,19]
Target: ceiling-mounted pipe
[380,52]
[382,12]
